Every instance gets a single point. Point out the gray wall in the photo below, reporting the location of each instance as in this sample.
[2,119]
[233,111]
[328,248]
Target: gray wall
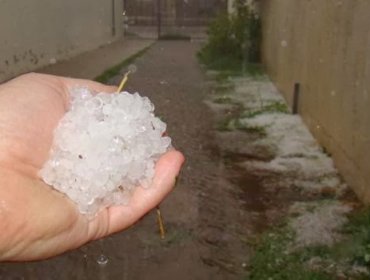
[325,45]
[35,33]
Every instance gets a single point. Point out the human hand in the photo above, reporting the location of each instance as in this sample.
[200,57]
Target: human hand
[36,221]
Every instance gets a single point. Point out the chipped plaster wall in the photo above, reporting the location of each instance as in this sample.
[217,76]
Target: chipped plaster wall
[325,46]
[35,33]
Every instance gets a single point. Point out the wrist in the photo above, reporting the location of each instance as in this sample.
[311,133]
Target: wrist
[8,219]
[4,219]
[4,232]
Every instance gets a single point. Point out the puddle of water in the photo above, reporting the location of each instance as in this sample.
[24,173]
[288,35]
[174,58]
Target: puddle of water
[251,192]
[266,204]
[231,157]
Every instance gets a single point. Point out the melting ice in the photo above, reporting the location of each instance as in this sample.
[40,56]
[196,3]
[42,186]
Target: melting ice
[104,147]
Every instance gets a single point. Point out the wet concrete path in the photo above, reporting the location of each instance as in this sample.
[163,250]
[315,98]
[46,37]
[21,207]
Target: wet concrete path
[208,218]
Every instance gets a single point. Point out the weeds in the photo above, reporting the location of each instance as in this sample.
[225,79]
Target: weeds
[223,89]
[250,129]
[226,69]
[275,107]
[223,100]
[224,125]
[357,247]
[254,70]
[223,76]
[236,124]
[274,259]
[234,41]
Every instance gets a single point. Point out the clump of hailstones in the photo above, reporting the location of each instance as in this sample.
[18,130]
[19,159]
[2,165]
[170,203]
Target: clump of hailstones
[104,147]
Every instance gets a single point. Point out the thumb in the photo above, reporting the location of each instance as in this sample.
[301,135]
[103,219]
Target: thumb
[143,200]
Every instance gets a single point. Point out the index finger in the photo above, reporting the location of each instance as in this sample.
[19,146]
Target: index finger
[92,85]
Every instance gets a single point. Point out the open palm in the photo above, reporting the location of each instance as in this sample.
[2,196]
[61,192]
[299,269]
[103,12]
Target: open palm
[35,220]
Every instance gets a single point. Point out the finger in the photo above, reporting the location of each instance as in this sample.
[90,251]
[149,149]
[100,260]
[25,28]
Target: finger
[95,86]
[143,200]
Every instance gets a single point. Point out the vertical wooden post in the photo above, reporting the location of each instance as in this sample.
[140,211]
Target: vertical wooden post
[113,18]
[159,18]
[297,88]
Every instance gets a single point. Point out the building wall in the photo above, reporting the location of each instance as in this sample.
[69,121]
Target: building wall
[325,46]
[35,33]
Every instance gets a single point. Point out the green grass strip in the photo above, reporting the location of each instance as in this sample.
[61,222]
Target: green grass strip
[115,70]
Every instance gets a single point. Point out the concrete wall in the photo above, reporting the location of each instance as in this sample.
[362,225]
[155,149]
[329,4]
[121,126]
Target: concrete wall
[35,33]
[325,45]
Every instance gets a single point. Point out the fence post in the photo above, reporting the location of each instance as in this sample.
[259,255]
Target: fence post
[113,18]
[297,88]
[159,18]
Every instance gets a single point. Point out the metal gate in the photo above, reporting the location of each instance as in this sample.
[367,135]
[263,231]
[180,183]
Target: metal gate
[166,18]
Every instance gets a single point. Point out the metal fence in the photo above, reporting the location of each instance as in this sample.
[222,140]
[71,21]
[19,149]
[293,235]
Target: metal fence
[163,17]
